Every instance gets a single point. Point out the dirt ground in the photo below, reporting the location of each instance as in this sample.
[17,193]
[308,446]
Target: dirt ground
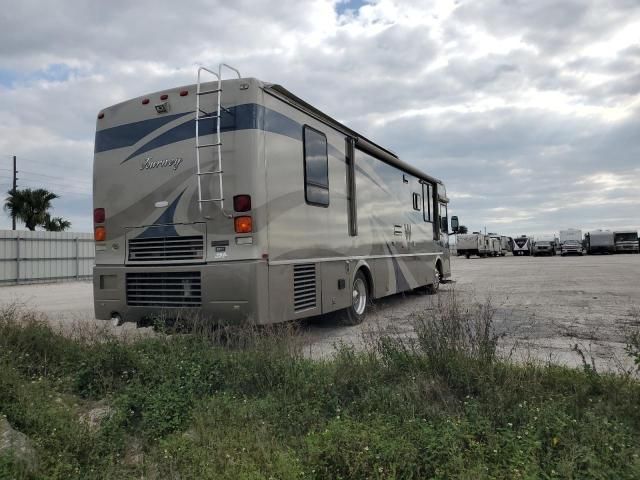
[544,307]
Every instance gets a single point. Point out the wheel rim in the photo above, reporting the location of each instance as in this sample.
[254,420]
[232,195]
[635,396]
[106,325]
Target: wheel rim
[359,296]
[436,279]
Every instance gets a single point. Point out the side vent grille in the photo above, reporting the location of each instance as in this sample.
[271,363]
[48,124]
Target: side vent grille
[164,289]
[304,287]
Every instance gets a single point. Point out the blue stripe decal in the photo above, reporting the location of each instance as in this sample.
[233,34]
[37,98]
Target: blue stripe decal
[129,134]
[249,116]
[401,282]
[163,227]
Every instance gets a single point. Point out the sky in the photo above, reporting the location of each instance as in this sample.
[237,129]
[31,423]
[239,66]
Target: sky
[529,111]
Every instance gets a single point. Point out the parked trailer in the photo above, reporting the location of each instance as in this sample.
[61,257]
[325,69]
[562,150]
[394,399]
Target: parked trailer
[473,244]
[599,241]
[571,242]
[522,245]
[626,241]
[496,247]
[545,245]
[505,243]
[238,201]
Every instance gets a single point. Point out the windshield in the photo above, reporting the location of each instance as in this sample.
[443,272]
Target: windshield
[626,237]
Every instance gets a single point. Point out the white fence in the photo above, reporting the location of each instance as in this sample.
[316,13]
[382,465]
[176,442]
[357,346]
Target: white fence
[31,257]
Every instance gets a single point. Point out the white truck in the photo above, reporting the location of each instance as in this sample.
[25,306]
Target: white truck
[570,242]
[599,241]
[626,241]
[473,244]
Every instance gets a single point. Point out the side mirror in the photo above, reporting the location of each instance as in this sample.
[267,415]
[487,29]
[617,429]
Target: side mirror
[454,224]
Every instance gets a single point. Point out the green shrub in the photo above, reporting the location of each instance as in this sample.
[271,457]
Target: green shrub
[245,403]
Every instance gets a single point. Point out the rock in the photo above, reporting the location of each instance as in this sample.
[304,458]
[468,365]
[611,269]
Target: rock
[94,417]
[18,444]
[134,455]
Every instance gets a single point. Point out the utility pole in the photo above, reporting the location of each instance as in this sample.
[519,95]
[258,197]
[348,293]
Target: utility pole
[13,191]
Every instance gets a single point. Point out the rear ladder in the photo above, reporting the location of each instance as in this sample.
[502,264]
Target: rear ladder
[217,144]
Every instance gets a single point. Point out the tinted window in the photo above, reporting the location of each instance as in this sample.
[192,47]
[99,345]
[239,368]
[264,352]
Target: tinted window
[444,221]
[316,167]
[427,202]
[417,201]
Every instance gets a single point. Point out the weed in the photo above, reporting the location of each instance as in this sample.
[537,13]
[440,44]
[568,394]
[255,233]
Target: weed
[243,402]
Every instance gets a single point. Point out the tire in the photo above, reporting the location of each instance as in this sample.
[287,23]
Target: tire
[357,312]
[467,256]
[435,286]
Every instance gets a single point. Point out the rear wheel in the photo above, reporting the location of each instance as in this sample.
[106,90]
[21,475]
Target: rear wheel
[357,312]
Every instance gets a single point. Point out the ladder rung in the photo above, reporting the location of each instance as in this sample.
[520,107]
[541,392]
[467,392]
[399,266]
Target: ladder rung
[206,115]
[204,200]
[215,172]
[210,145]
[207,92]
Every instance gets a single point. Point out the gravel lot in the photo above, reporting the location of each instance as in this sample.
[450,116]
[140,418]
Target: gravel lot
[544,306]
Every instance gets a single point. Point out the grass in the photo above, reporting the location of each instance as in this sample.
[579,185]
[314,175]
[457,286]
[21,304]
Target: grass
[246,404]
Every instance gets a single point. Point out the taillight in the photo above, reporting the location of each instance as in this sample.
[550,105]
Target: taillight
[98,215]
[184,93]
[101,115]
[164,96]
[243,224]
[100,234]
[242,203]
[145,101]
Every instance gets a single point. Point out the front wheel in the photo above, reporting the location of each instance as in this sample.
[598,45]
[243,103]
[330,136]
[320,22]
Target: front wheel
[435,286]
[356,313]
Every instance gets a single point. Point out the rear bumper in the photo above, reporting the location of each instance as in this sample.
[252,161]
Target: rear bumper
[229,291]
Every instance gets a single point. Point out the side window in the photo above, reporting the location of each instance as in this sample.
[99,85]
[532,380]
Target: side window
[316,167]
[417,202]
[427,202]
[444,221]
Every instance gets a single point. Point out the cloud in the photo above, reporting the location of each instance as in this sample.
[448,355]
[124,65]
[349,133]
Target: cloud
[529,111]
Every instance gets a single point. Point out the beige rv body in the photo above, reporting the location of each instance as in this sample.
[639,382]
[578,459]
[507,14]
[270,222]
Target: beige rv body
[170,248]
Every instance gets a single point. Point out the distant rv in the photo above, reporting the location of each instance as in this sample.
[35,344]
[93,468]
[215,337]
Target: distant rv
[473,244]
[506,243]
[522,245]
[571,242]
[599,241]
[626,241]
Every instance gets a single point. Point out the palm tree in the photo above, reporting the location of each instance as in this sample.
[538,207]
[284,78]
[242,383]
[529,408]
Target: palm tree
[30,206]
[55,224]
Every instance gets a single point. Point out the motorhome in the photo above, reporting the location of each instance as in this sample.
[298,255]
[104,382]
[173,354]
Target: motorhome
[570,242]
[599,241]
[496,247]
[505,243]
[474,243]
[626,241]
[522,245]
[238,201]
[544,245]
